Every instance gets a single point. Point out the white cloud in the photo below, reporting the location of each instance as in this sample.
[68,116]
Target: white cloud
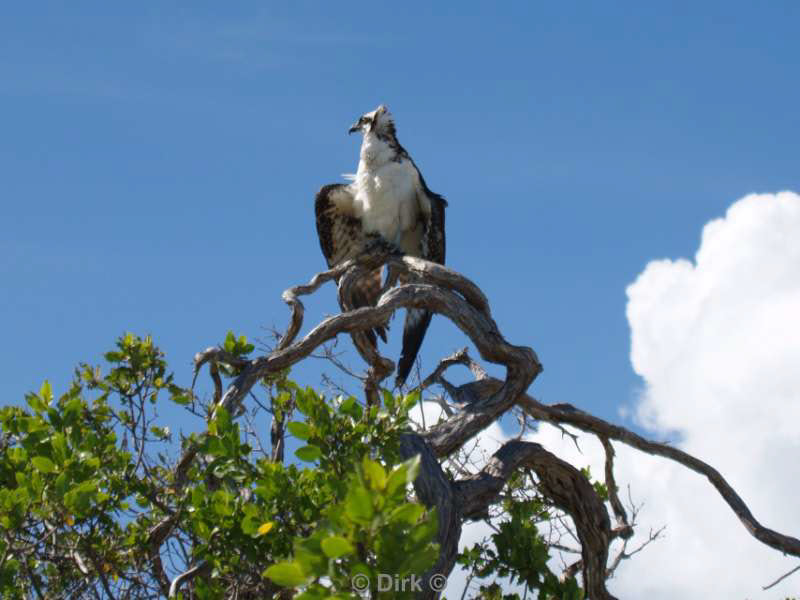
[717,343]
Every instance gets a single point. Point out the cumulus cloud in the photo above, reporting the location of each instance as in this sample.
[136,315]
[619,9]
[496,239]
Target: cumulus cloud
[716,341]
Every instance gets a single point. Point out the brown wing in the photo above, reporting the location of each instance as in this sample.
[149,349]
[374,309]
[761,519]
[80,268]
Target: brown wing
[341,238]
[432,207]
[428,239]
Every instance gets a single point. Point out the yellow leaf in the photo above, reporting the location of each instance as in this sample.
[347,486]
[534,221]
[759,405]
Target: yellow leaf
[265,528]
[69,520]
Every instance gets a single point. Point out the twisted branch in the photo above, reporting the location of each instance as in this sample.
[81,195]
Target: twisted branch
[441,290]
[566,414]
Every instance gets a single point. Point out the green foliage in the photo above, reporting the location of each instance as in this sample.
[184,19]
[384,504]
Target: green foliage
[372,530]
[493,591]
[63,472]
[88,478]
[519,552]
[238,347]
[90,472]
[599,487]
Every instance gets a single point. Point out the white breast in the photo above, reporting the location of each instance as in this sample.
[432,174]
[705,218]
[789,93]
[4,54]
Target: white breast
[385,198]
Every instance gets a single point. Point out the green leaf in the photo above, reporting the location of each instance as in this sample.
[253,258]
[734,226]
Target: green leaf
[62,484]
[46,393]
[308,554]
[314,592]
[251,519]
[43,464]
[375,473]
[412,466]
[388,400]
[396,479]
[223,418]
[407,513]
[78,499]
[410,401]
[299,430]
[199,497]
[286,574]
[402,474]
[181,398]
[35,403]
[425,531]
[305,400]
[160,432]
[336,546]
[420,561]
[60,449]
[308,453]
[361,568]
[358,504]
[350,406]
[230,342]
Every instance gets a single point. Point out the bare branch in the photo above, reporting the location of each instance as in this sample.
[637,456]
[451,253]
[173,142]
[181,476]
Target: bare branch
[460,357]
[623,553]
[624,530]
[214,355]
[781,578]
[562,484]
[568,414]
[187,576]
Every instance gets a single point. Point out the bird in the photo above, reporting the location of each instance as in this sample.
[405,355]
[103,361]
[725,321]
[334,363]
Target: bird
[387,203]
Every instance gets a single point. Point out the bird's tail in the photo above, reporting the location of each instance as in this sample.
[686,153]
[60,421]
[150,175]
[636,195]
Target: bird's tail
[417,321]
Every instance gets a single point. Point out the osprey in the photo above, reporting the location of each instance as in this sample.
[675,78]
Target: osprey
[386,203]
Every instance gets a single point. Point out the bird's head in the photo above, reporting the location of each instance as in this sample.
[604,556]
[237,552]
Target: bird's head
[379,122]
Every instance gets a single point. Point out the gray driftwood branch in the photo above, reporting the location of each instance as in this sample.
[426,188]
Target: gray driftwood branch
[566,414]
[443,291]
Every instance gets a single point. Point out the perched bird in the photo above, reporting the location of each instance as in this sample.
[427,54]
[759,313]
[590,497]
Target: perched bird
[387,202]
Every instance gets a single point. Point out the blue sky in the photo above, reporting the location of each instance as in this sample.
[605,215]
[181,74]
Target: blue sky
[158,163]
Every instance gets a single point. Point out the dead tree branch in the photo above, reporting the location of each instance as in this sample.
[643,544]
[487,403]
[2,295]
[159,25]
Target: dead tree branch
[566,414]
[441,290]
[781,578]
[562,484]
[624,530]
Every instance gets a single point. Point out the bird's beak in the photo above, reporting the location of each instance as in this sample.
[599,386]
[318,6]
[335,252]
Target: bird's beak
[354,128]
